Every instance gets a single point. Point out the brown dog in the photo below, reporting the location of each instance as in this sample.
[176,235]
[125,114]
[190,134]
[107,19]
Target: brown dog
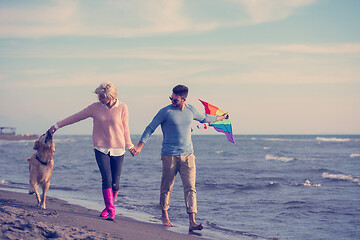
[41,167]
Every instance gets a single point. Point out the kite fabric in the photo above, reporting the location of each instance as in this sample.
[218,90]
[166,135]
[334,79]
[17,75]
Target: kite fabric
[223,126]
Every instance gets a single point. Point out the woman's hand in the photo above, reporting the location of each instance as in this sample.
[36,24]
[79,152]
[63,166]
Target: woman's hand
[137,149]
[52,130]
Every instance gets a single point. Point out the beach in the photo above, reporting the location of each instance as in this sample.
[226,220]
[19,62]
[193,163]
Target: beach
[20,218]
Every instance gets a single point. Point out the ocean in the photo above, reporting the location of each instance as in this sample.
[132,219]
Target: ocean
[264,187]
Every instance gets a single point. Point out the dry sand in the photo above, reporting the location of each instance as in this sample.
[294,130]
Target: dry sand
[20,218]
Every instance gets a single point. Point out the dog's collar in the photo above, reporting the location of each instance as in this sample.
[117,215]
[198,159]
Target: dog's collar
[43,163]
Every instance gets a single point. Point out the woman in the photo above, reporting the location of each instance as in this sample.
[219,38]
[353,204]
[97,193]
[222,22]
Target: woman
[111,135]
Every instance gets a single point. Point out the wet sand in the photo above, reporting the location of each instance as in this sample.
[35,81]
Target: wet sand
[20,218]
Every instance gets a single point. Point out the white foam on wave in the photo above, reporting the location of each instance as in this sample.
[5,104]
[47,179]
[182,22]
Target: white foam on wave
[66,140]
[275,139]
[354,155]
[324,139]
[3,182]
[17,142]
[266,148]
[308,183]
[3,142]
[283,159]
[341,177]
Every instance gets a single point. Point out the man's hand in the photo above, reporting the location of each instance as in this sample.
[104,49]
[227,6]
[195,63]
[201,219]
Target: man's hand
[137,149]
[222,117]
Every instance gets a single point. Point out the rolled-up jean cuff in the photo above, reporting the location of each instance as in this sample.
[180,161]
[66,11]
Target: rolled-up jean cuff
[189,210]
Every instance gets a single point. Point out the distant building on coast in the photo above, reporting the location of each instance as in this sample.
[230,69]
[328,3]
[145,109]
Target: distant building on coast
[8,130]
[9,133]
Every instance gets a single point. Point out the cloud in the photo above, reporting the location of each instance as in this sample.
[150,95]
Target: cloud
[110,18]
[93,18]
[234,53]
[39,20]
[344,48]
[128,78]
[257,63]
[262,11]
[134,18]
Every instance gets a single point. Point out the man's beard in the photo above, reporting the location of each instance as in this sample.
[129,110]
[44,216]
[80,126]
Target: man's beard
[178,105]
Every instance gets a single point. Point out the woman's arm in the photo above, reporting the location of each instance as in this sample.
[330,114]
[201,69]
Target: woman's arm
[125,122]
[83,114]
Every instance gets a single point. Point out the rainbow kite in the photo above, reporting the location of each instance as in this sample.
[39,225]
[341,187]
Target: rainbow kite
[223,126]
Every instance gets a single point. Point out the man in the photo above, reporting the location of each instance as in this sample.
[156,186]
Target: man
[177,152]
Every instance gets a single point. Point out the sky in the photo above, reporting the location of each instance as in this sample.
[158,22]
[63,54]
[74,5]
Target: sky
[277,66]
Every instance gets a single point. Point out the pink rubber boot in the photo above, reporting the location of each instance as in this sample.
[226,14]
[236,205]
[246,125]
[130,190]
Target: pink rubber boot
[105,212]
[109,203]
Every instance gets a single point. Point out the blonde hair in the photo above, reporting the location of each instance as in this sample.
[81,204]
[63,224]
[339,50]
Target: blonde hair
[106,90]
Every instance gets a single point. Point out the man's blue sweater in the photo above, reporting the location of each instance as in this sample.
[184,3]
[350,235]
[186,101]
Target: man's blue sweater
[176,128]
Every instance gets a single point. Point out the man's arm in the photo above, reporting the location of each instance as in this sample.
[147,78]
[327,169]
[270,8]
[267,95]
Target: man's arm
[158,119]
[205,118]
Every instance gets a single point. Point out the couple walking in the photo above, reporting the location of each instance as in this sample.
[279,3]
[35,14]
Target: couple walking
[111,135]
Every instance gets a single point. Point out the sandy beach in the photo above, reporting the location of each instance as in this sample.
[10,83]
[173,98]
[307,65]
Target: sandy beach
[20,218]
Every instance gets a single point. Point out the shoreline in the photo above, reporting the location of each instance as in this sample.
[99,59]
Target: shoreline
[18,137]
[20,218]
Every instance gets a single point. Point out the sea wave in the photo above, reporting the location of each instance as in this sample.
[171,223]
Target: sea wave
[12,183]
[333,139]
[308,183]
[67,140]
[341,177]
[283,159]
[224,229]
[277,139]
[236,187]
[289,139]
[16,143]
[4,182]
[63,188]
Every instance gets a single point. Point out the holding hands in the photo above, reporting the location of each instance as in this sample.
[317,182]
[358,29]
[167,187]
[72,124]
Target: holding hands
[137,149]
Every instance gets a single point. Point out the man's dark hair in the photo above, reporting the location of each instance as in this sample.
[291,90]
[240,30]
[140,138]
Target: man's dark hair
[181,90]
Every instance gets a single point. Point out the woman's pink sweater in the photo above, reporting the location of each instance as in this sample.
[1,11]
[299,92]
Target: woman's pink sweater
[110,126]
